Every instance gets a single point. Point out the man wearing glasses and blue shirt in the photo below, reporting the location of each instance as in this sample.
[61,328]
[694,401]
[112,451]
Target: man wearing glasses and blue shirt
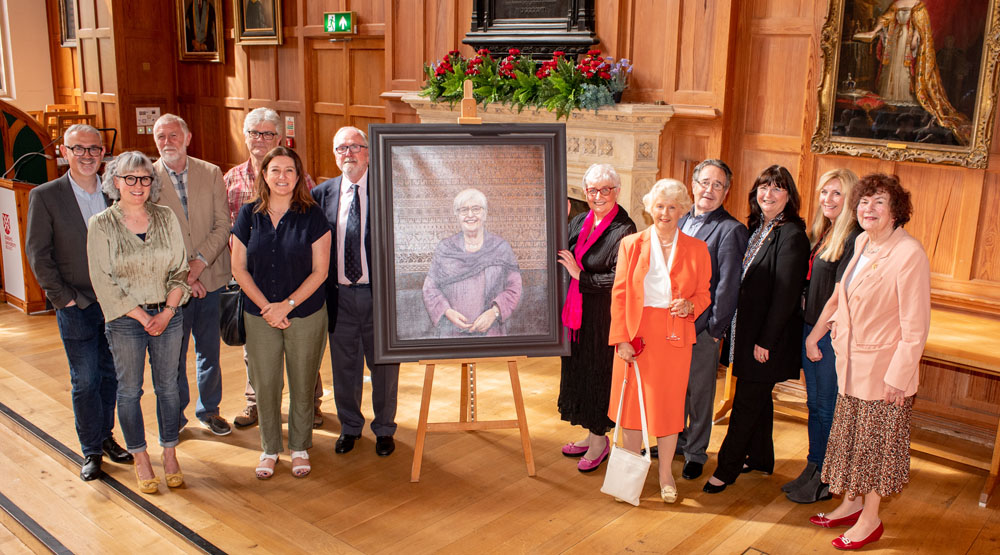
[727,241]
[345,200]
[56,245]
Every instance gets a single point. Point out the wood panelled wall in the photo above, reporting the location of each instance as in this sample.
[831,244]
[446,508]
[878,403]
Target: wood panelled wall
[741,75]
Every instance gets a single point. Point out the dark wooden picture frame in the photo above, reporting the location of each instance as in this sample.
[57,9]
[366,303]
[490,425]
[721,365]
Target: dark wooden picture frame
[258,22]
[909,80]
[199,33]
[420,174]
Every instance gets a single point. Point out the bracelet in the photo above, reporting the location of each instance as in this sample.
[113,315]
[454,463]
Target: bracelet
[173,309]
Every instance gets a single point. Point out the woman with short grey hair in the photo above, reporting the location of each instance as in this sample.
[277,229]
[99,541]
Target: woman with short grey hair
[590,261]
[138,266]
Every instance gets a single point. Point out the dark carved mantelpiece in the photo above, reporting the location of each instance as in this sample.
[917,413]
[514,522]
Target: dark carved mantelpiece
[536,27]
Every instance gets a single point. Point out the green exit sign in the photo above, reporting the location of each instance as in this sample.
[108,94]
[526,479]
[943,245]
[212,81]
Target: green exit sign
[338,22]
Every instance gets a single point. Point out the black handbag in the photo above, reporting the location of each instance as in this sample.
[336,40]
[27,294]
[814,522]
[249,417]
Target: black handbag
[231,326]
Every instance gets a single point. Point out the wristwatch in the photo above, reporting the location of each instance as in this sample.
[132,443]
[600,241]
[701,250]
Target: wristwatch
[173,309]
[291,302]
[496,310]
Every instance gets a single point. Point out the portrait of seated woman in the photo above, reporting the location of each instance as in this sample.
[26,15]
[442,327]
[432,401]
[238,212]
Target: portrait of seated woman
[473,286]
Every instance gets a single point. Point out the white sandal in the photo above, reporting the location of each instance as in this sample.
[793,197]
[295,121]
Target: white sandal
[263,472]
[297,470]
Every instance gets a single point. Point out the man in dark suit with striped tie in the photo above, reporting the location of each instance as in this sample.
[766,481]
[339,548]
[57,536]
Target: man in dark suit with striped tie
[345,201]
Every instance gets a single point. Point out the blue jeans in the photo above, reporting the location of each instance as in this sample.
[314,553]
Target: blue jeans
[91,374]
[201,319]
[129,343]
[821,396]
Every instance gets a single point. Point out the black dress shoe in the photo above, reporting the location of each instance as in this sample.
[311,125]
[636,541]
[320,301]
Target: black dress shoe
[384,446]
[712,488]
[692,470]
[116,452]
[345,443]
[91,469]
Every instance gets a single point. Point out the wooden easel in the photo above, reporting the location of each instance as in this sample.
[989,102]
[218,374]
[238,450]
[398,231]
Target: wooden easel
[468,401]
[467,419]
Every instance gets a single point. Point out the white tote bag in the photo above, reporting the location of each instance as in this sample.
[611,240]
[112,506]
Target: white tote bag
[626,472]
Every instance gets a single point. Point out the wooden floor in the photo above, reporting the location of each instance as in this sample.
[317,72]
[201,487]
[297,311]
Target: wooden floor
[474,495]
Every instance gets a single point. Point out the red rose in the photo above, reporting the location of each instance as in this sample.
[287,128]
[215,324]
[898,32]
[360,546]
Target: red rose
[453,52]
[593,52]
[558,53]
[604,75]
[514,52]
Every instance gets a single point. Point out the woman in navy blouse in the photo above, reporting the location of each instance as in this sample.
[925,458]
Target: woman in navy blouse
[280,259]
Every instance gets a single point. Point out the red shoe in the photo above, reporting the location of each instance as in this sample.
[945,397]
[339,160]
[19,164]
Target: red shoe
[841,542]
[821,520]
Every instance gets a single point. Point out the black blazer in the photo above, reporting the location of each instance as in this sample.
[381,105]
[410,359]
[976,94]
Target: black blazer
[56,244]
[769,311]
[327,195]
[726,238]
[599,262]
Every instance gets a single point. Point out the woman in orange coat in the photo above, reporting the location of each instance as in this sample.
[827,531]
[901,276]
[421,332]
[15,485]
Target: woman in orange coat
[661,286]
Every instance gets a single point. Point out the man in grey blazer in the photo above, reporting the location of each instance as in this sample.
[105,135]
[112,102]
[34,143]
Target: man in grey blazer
[345,200]
[727,241]
[197,197]
[58,216]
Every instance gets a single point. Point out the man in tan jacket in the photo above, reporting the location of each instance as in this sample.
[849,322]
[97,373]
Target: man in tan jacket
[198,198]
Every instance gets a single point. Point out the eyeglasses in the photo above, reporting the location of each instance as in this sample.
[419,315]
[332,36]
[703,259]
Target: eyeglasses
[262,134]
[342,149]
[603,191]
[467,210]
[132,180]
[79,150]
[770,188]
[715,185]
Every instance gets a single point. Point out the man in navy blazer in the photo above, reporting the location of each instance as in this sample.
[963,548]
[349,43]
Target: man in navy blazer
[727,241]
[346,200]
[56,245]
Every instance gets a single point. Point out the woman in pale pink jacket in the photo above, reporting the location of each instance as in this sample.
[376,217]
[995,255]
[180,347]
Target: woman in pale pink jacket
[879,317]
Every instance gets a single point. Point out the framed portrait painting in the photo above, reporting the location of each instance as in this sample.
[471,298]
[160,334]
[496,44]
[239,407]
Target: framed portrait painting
[468,220]
[199,31]
[257,21]
[909,80]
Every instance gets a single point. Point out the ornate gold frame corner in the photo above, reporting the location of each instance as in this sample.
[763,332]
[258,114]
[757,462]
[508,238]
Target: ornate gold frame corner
[975,155]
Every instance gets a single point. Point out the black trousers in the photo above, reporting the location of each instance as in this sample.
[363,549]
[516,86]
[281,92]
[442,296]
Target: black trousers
[749,438]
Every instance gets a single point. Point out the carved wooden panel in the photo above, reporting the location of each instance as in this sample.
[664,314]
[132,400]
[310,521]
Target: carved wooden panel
[986,262]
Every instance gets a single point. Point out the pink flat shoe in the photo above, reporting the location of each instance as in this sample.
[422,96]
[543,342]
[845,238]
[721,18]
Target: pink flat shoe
[587,465]
[573,450]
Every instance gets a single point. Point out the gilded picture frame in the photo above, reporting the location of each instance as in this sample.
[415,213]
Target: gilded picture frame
[258,22]
[466,224]
[909,80]
[200,35]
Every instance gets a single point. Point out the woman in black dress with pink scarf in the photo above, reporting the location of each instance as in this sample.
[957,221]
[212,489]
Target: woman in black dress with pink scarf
[585,387]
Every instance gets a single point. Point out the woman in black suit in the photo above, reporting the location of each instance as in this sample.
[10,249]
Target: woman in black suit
[766,335]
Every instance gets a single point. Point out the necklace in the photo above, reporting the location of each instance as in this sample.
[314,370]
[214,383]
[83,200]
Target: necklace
[870,249]
[665,245]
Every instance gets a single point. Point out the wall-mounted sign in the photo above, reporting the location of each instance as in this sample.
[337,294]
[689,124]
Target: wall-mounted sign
[341,23]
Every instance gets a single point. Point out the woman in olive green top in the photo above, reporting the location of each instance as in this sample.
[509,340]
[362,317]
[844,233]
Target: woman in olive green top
[139,270]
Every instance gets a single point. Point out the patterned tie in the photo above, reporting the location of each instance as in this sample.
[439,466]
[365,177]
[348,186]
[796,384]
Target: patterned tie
[352,239]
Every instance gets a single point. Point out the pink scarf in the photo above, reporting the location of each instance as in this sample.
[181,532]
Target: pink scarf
[572,314]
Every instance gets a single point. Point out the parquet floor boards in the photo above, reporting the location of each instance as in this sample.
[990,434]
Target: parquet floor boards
[474,495]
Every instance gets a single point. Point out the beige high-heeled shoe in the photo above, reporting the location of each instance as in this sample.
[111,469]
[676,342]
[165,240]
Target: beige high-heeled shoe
[147,486]
[174,480]
[668,494]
